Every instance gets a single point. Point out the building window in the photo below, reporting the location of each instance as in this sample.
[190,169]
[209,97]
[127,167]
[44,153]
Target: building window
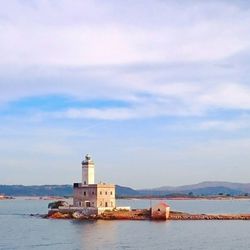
[100,204]
[93,193]
[111,203]
[111,192]
[106,193]
[84,182]
[106,204]
[159,210]
[84,193]
[100,192]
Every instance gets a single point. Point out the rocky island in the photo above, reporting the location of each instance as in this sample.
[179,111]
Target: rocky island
[93,201]
[161,211]
[142,214]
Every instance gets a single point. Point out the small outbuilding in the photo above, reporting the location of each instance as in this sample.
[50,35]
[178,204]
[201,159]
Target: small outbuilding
[160,211]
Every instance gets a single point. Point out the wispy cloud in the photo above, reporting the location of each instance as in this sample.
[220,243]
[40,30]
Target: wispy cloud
[142,98]
[164,64]
[92,33]
[235,124]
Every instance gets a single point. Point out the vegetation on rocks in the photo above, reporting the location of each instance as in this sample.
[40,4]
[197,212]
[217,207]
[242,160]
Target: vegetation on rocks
[57,204]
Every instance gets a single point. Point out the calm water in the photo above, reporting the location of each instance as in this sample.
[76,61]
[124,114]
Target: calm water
[20,231]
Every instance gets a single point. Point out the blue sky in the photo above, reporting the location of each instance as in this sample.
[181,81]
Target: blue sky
[157,91]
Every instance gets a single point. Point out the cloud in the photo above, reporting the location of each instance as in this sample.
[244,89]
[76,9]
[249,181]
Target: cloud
[235,96]
[92,33]
[176,100]
[102,114]
[143,93]
[235,124]
[169,64]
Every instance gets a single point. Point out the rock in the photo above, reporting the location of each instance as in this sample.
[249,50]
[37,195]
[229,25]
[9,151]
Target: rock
[77,215]
[58,215]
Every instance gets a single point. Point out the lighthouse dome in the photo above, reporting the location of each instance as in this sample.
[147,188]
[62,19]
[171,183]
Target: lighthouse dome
[87,159]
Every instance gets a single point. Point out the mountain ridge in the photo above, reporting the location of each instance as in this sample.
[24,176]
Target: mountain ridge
[244,187]
[205,188]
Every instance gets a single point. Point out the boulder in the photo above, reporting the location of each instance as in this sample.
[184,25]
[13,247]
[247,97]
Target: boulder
[77,215]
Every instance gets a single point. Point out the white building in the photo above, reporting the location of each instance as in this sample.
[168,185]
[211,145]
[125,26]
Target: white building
[89,194]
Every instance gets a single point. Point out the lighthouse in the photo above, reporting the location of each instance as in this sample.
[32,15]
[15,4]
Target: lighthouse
[98,197]
[88,171]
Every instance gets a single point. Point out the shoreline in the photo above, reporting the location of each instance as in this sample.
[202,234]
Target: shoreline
[142,214]
[187,198]
[136,198]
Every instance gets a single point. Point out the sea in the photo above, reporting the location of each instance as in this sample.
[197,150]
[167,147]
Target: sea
[19,230]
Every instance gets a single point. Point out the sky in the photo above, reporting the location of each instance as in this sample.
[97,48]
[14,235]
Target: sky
[158,92]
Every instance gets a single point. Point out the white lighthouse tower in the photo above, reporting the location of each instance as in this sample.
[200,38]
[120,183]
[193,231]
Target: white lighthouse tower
[88,171]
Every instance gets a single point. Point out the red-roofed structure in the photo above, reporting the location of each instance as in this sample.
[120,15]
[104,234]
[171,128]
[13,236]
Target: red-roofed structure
[160,211]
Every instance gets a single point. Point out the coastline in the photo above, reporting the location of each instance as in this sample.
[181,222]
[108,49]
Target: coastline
[188,198]
[135,198]
[143,214]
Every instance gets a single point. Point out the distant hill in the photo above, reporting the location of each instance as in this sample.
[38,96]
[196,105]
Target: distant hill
[126,191]
[54,190]
[212,191]
[243,187]
[203,188]
[43,190]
